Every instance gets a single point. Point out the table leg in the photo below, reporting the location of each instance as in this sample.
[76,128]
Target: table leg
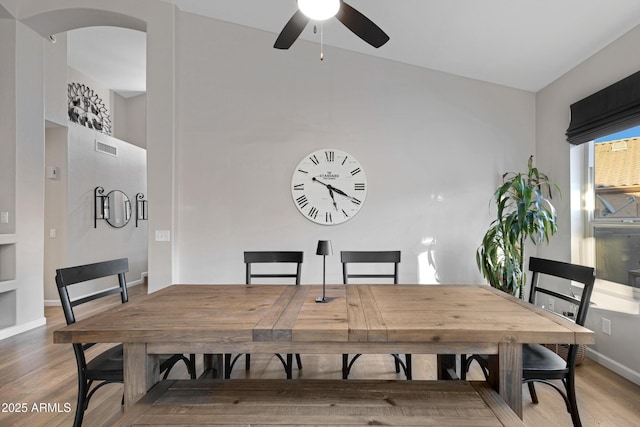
[141,372]
[213,365]
[506,375]
[447,367]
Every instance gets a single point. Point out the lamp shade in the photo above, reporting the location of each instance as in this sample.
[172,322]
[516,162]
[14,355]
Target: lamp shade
[319,10]
[324,247]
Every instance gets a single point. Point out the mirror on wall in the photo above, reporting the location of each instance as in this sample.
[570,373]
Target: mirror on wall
[114,208]
[118,209]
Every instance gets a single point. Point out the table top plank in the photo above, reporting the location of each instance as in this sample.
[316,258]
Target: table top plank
[355,314]
[456,314]
[376,327]
[322,322]
[272,327]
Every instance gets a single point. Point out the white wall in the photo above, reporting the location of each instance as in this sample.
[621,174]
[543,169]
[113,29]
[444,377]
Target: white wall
[22,59]
[434,147]
[130,119]
[87,169]
[104,93]
[55,67]
[69,198]
[8,122]
[69,205]
[29,170]
[55,206]
[620,351]
[127,116]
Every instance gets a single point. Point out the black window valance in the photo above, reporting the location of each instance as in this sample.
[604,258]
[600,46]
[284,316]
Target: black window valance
[610,110]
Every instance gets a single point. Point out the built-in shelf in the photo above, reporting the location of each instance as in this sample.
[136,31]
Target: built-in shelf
[7,261]
[6,239]
[7,280]
[7,309]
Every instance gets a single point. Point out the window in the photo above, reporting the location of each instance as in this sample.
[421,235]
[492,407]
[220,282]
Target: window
[613,206]
[608,121]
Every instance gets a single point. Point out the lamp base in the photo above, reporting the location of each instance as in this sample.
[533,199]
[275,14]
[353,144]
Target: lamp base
[322,299]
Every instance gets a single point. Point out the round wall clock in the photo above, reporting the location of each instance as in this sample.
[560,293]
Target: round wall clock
[329,186]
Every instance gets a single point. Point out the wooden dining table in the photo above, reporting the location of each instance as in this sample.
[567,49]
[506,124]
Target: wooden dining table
[377,319]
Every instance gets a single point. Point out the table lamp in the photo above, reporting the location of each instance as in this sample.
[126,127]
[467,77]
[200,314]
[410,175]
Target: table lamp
[324,249]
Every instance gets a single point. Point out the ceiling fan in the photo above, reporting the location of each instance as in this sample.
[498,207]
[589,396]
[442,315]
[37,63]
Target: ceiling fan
[355,21]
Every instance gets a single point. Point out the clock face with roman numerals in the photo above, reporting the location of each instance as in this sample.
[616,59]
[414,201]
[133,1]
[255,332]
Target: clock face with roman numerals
[329,186]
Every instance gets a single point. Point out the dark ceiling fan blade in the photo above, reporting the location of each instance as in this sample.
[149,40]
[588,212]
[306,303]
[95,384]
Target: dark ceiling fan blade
[291,31]
[361,26]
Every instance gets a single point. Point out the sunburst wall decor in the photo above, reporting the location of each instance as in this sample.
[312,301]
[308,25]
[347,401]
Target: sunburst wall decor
[87,109]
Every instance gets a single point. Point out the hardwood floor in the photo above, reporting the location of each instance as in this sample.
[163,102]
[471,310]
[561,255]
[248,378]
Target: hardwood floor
[38,378]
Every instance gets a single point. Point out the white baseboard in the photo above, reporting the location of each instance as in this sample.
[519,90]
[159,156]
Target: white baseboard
[18,329]
[616,367]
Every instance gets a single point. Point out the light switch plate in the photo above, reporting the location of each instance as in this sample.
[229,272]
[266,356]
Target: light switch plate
[163,235]
[4,217]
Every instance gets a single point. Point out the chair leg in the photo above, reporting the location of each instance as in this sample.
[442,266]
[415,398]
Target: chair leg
[247,362]
[298,361]
[397,363]
[81,402]
[345,366]
[532,392]
[408,372]
[571,396]
[463,367]
[227,366]
[289,367]
[192,366]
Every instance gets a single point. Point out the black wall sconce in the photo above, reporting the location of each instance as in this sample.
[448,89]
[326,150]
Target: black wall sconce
[100,206]
[141,208]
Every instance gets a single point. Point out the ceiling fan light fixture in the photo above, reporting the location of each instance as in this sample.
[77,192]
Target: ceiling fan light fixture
[319,10]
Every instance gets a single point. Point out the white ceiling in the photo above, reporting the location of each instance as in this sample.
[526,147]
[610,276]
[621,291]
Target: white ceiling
[525,44]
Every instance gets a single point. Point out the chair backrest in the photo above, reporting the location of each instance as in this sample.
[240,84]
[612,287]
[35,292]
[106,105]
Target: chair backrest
[264,257]
[369,257]
[573,272]
[70,276]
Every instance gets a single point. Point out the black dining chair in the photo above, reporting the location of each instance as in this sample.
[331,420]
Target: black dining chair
[539,363]
[372,257]
[268,257]
[106,367]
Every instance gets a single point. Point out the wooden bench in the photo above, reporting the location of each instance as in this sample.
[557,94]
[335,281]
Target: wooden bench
[320,402]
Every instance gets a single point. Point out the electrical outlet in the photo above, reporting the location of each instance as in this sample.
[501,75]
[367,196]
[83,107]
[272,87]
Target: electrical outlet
[552,304]
[606,326]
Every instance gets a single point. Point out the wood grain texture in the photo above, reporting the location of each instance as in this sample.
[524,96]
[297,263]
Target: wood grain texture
[510,374]
[321,403]
[136,360]
[275,318]
[34,370]
[399,314]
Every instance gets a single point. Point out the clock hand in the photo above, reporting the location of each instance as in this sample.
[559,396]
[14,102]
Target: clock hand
[335,205]
[331,190]
[320,182]
[342,193]
[339,191]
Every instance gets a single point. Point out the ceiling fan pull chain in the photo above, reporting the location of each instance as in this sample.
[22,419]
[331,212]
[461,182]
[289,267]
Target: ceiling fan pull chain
[321,42]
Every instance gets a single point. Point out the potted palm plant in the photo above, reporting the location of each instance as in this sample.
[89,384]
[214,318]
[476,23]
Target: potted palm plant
[524,213]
